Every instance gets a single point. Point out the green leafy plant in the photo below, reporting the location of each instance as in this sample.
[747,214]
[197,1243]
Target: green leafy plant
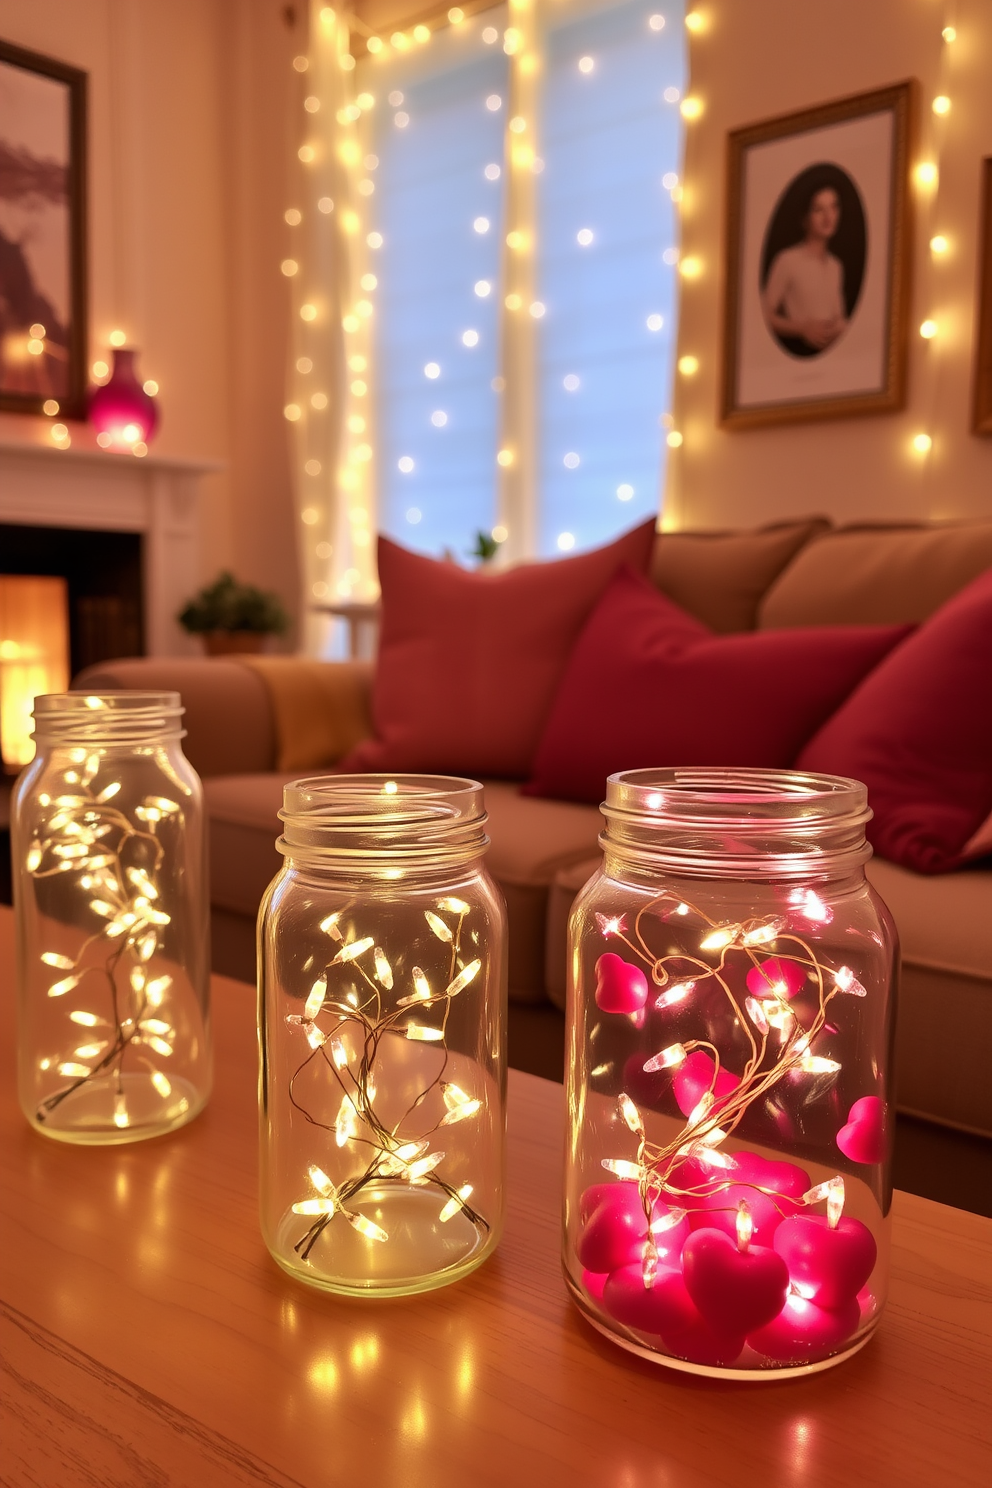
[485,547]
[227,604]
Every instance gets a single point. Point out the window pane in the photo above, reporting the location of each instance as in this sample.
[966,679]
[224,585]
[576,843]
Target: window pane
[608,137]
[440,217]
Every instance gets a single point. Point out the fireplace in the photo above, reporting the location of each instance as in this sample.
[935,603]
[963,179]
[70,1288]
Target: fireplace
[123,531]
[103,574]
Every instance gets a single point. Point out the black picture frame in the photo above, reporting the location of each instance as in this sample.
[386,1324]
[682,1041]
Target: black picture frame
[31,185]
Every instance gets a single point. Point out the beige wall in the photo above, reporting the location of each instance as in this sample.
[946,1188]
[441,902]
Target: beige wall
[188,135]
[758,58]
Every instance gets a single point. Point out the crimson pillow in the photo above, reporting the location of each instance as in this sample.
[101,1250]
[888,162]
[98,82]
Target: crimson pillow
[649,685]
[469,662]
[918,732]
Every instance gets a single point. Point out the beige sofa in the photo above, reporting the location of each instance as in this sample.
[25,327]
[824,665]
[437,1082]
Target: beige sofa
[542,851]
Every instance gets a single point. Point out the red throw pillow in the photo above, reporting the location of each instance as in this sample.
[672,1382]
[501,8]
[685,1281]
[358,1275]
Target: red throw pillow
[469,662]
[649,685]
[918,732]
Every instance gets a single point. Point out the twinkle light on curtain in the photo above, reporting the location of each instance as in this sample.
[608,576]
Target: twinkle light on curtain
[483,257]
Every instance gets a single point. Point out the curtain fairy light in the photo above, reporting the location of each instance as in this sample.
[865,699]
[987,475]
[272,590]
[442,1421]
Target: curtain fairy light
[328,403]
[517,383]
[424,201]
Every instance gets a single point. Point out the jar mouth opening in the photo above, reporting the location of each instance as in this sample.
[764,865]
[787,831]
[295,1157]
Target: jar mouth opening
[380,819]
[739,795]
[115,704]
[386,800]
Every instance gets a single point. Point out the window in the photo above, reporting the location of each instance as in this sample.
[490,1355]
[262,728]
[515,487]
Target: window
[503,261]
[436,334]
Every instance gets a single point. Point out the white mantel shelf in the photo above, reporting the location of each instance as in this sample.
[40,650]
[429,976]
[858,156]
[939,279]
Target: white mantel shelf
[157,496]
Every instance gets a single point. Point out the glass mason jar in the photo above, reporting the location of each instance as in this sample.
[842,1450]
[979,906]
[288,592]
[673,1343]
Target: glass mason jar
[382,998]
[729,1028]
[110,894]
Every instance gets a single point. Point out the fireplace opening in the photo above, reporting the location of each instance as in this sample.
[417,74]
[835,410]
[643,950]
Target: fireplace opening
[103,575]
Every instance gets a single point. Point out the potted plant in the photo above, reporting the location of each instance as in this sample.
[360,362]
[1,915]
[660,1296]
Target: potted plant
[233,617]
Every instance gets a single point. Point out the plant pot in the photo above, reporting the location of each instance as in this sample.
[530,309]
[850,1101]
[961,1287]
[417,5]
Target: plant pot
[233,642]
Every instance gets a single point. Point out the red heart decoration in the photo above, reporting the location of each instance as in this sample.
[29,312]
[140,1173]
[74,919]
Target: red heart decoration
[753,1173]
[614,1228]
[620,987]
[694,1079]
[735,1290]
[829,1266]
[863,1138]
[776,976]
[802,1331]
[593,1282]
[666,1310]
[784,1177]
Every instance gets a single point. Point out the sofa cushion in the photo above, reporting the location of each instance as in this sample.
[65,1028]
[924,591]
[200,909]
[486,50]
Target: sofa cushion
[918,732]
[721,577]
[649,685]
[945,932]
[469,661]
[242,829]
[877,575]
[228,719]
[944,1014]
[531,841]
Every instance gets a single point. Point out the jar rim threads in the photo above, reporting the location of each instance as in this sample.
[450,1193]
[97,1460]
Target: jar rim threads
[737,822]
[405,818]
[107,717]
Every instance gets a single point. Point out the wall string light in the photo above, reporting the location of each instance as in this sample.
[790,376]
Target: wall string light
[937,119]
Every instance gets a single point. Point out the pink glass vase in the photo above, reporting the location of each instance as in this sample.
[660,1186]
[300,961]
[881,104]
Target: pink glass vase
[730,1018]
[123,414]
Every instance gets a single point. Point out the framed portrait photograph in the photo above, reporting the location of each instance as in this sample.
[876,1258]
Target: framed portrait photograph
[982,410]
[43,345]
[817,267]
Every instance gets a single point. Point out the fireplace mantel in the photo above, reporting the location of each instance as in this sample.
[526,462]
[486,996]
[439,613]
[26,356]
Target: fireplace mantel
[42,486]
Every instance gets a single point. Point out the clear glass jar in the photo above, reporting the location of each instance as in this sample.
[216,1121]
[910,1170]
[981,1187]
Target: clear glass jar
[729,1029]
[382,1026]
[110,894]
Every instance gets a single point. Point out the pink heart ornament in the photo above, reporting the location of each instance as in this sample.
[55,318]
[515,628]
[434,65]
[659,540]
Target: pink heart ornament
[593,1283]
[753,1174]
[695,1078]
[614,1229]
[775,977]
[803,1332]
[735,1290]
[828,1266]
[863,1138]
[666,1311]
[620,987]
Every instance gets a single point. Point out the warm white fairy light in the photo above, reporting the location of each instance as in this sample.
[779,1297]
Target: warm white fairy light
[376,1149]
[87,834]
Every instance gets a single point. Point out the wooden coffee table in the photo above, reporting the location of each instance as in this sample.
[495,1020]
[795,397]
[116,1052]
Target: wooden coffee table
[147,1338]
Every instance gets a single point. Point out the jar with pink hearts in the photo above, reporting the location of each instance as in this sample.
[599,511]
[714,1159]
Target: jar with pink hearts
[730,1007]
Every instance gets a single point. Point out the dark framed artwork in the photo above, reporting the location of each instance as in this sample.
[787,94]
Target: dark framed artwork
[982,407]
[43,346]
[818,262]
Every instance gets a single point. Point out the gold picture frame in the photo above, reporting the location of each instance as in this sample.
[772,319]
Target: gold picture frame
[818,259]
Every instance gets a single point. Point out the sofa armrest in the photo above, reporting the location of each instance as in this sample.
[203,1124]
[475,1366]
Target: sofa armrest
[230,724]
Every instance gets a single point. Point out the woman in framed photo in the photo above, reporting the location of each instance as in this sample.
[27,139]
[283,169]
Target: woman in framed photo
[803,295]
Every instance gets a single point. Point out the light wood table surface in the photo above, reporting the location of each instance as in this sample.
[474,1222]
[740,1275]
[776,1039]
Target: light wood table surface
[146,1338]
